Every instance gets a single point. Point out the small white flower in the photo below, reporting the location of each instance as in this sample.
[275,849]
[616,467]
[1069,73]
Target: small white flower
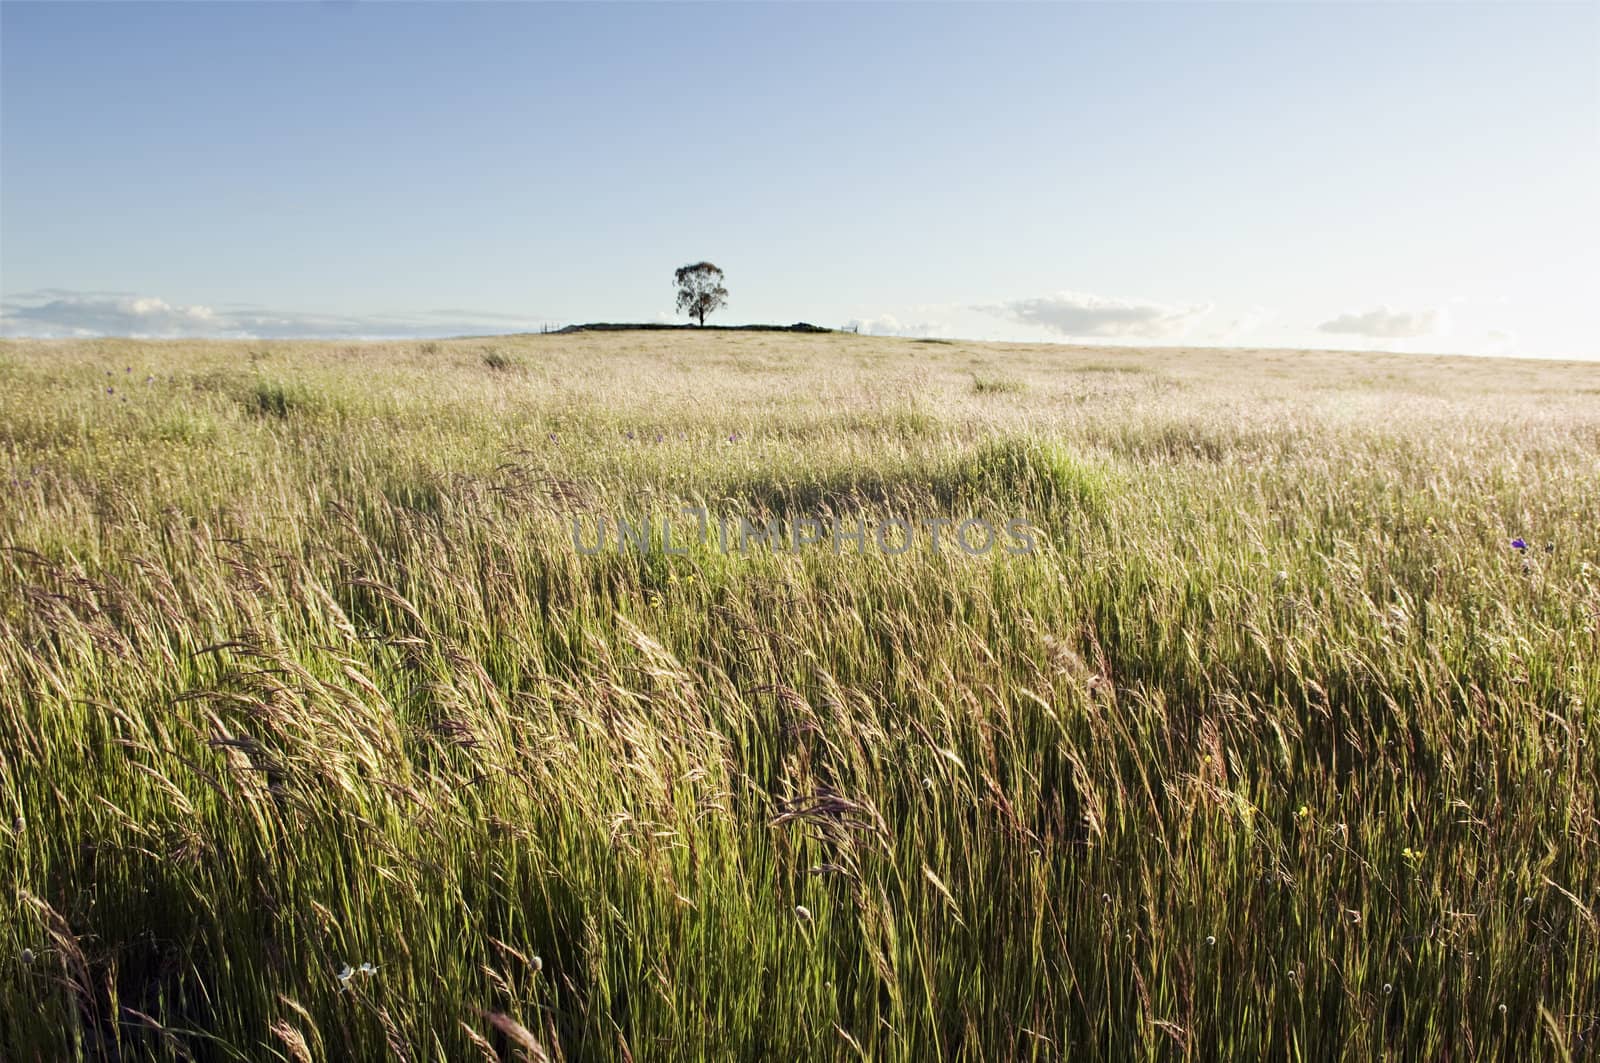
[1210,940]
[345,973]
[369,969]
[1387,988]
[538,964]
[803,912]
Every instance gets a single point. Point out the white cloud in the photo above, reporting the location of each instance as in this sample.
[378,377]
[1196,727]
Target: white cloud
[1082,314]
[96,314]
[889,325]
[1502,341]
[1240,325]
[1387,324]
[58,313]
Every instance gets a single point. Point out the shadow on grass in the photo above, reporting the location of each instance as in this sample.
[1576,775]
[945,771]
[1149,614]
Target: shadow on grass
[1021,473]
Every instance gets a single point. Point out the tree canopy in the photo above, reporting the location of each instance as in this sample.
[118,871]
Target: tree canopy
[700,290]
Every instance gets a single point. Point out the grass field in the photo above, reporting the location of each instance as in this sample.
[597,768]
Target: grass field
[1276,747]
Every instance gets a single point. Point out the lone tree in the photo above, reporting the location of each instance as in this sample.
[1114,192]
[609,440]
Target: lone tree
[700,290]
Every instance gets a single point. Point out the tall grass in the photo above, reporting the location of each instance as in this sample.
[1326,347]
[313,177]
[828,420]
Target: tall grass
[1275,748]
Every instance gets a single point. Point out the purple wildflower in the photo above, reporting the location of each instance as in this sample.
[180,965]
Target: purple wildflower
[1518,544]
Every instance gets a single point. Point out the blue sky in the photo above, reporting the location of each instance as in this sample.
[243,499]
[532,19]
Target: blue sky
[1401,176]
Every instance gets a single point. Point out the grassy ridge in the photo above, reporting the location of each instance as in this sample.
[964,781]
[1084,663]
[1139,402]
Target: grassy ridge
[1276,747]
